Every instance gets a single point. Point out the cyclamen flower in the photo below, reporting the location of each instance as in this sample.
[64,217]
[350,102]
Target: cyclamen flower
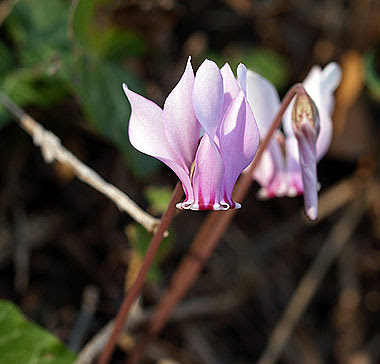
[214,101]
[279,173]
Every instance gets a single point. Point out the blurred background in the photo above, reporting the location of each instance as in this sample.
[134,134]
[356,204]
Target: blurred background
[64,62]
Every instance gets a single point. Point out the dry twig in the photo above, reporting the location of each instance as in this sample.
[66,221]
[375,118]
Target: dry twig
[340,234]
[52,149]
[197,307]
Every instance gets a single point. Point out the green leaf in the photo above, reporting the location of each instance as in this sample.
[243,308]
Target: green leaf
[6,63]
[24,342]
[39,29]
[139,239]
[6,59]
[97,84]
[269,64]
[372,74]
[4,118]
[158,198]
[28,86]
[96,33]
[264,61]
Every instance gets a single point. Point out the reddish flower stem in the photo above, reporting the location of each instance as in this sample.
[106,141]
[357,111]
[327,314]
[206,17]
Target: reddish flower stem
[205,242]
[135,289]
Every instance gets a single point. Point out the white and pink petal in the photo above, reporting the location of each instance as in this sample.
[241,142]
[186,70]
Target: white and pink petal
[208,177]
[231,86]
[263,99]
[239,139]
[179,121]
[208,97]
[146,134]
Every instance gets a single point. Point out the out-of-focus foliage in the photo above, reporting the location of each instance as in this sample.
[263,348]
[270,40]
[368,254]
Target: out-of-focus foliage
[97,85]
[269,64]
[38,30]
[6,58]
[61,50]
[158,198]
[372,75]
[139,239]
[23,341]
[94,32]
[266,62]
[38,34]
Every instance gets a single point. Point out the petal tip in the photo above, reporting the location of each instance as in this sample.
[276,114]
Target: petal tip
[237,206]
[312,213]
[263,194]
[126,89]
[189,65]
[292,192]
[280,191]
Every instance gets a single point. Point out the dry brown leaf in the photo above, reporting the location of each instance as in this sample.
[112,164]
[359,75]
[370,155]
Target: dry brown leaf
[135,261]
[350,88]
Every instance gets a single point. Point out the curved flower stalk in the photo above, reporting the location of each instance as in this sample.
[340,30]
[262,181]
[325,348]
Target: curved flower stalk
[212,101]
[288,166]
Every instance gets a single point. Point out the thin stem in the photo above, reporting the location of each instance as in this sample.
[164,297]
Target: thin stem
[52,149]
[136,287]
[206,241]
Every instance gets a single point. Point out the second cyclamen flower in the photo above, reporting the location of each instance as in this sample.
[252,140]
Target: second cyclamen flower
[288,165]
[214,101]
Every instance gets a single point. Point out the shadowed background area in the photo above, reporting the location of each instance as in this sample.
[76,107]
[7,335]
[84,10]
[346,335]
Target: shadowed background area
[67,253]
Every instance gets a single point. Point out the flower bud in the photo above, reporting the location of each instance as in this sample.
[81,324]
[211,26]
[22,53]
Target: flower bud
[304,111]
[305,122]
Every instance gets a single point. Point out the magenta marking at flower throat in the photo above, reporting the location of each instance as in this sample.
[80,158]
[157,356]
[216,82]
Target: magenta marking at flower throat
[213,100]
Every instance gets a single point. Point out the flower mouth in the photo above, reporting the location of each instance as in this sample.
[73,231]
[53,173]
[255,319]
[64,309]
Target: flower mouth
[222,206]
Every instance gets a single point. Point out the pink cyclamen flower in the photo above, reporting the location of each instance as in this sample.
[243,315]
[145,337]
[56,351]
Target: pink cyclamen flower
[212,101]
[283,167]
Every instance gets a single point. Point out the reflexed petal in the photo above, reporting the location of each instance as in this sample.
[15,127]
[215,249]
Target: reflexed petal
[331,77]
[263,99]
[265,170]
[208,96]
[180,123]
[293,169]
[329,81]
[147,135]
[239,139]
[312,84]
[276,188]
[271,161]
[231,86]
[287,121]
[208,177]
